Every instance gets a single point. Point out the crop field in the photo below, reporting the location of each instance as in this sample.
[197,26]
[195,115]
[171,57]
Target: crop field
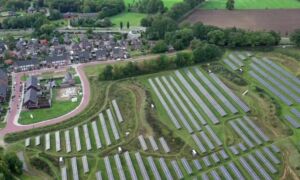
[224,120]
[281,20]
[253,4]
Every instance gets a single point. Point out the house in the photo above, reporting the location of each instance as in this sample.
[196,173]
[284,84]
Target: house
[32,83]
[58,60]
[100,54]
[31,99]
[3,86]
[25,65]
[67,81]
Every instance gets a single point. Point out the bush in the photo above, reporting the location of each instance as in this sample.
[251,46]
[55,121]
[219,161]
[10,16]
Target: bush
[159,47]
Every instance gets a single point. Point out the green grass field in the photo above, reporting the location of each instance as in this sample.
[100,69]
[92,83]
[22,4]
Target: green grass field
[167,3]
[57,109]
[133,18]
[253,4]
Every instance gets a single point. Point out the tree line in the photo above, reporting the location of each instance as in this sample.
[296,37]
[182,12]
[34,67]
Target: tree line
[10,165]
[201,52]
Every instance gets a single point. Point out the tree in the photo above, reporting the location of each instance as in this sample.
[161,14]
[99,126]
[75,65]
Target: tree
[13,163]
[160,26]
[160,47]
[121,25]
[295,37]
[230,4]
[216,37]
[183,59]
[206,53]
[54,15]
[128,25]
[107,73]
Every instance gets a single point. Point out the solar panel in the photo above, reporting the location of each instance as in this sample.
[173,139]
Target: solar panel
[249,131]
[197,164]
[98,175]
[37,140]
[262,135]
[203,91]
[96,134]
[292,121]
[153,168]
[64,175]
[77,139]
[47,141]
[241,134]
[181,104]
[234,150]
[87,137]
[117,111]
[213,135]
[141,166]
[201,103]
[27,142]
[204,176]
[198,143]
[68,142]
[225,173]
[215,175]
[187,100]
[295,112]
[57,141]
[213,88]
[207,141]
[174,106]
[177,169]
[206,161]
[266,162]
[108,168]
[283,71]
[112,124]
[166,107]
[258,167]
[119,167]
[242,147]
[271,88]
[186,166]
[248,168]
[153,143]
[275,148]
[142,142]
[164,144]
[230,64]
[271,156]
[276,83]
[235,98]
[236,171]
[130,166]
[223,154]
[85,164]
[236,60]
[74,168]
[240,56]
[215,157]
[276,74]
[104,130]
[165,169]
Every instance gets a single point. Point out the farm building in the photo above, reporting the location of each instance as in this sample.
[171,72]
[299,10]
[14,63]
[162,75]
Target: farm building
[68,80]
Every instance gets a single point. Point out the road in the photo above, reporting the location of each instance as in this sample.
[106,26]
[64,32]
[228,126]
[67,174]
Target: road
[12,124]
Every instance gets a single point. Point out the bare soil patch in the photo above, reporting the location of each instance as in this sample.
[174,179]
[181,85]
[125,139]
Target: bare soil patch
[283,21]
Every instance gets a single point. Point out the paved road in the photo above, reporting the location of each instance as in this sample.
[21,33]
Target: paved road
[13,114]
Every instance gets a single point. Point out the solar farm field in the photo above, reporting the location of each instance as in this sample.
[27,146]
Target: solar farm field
[236,118]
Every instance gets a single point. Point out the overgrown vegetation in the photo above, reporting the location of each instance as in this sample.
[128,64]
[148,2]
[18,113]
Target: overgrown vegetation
[10,165]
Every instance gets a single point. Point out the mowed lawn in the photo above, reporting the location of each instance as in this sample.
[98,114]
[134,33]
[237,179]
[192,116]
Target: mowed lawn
[58,108]
[253,4]
[167,3]
[134,19]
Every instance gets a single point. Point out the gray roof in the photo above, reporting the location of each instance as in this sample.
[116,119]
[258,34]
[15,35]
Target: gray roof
[27,62]
[68,77]
[3,75]
[3,91]
[31,95]
[31,81]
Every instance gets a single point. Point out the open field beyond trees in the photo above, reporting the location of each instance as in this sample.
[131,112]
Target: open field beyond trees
[282,21]
[227,143]
[253,4]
